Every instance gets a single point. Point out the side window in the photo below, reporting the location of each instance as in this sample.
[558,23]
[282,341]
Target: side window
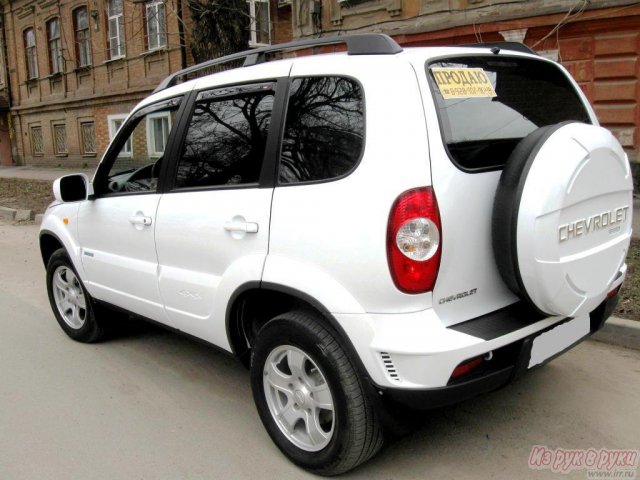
[324,130]
[226,137]
[137,152]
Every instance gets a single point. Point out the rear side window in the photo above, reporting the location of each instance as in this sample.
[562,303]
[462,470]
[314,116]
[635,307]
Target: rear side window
[324,130]
[482,123]
[226,137]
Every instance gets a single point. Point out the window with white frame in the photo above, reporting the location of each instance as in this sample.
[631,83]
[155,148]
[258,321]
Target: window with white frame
[83,40]
[158,128]
[56,63]
[156,29]
[116,28]
[115,122]
[259,25]
[30,53]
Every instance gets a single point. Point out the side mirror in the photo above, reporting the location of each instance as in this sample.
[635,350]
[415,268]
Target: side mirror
[72,188]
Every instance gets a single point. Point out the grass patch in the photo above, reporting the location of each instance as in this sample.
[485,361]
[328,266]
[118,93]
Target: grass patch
[19,193]
[629,304]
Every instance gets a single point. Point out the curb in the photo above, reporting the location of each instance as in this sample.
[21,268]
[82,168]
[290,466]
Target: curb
[16,214]
[619,332]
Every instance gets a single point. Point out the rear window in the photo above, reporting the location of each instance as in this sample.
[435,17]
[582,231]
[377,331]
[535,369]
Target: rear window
[486,105]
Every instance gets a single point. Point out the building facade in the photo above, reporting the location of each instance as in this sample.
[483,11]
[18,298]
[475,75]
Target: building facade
[598,41]
[76,68]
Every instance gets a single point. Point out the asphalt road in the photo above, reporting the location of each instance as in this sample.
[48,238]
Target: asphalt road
[153,405]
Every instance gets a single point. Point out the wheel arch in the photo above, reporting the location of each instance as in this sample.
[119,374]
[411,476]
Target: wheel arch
[255,303]
[49,243]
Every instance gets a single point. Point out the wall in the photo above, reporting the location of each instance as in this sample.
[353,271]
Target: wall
[81,94]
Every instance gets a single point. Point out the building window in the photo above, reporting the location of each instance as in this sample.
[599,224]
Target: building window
[60,139]
[37,146]
[83,42]
[30,51]
[156,31]
[88,136]
[259,22]
[56,63]
[116,28]
[115,122]
[158,128]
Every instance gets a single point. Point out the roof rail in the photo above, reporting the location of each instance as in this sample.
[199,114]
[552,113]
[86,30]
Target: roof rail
[515,46]
[359,44]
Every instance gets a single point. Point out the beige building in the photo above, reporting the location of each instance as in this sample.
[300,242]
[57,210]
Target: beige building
[597,40]
[77,67]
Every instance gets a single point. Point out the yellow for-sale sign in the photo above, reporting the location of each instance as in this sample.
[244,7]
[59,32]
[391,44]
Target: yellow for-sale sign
[463,82]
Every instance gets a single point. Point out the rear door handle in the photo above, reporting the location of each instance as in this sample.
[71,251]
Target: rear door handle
[244,227]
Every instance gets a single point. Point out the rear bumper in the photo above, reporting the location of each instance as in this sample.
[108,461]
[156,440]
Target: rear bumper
[514,361]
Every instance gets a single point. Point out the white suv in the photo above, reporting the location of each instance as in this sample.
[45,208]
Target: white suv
[363,229]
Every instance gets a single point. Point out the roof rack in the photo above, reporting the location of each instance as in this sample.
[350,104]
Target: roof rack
[358,44]
[515,46]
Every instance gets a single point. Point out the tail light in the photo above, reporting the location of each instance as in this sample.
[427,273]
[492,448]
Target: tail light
[414,241]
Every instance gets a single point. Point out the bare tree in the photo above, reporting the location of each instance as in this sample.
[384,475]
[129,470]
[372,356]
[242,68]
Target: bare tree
[220,27]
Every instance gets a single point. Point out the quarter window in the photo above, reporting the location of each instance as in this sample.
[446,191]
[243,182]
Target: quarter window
[156,33]
[30,52]
[56,63]
[83,43]
[324,130]
[226,138]
[116,28]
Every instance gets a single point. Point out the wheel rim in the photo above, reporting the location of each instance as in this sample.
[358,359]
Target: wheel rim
[299,398]
[69,297]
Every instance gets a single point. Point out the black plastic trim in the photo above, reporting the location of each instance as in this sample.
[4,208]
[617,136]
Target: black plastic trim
[266,286]
[513,46]
[426,399]
[499,323]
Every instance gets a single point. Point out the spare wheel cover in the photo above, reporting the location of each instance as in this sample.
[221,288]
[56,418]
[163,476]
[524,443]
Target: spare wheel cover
[562,217]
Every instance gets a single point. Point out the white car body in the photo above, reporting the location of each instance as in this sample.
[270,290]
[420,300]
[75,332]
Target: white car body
[325,241]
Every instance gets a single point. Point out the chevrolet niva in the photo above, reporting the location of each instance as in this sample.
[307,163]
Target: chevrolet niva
[365,229]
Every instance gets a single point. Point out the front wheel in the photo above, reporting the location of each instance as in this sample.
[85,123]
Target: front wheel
[70,302]
[310,398]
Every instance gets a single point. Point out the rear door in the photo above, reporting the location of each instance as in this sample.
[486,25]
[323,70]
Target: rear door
[212,231]
[479,107]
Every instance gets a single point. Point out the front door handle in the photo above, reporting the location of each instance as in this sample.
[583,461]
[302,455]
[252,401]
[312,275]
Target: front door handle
[244,227]
[140,220]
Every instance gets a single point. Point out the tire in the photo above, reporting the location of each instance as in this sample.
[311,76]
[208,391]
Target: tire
[561,222]
[295,356]
[72,305]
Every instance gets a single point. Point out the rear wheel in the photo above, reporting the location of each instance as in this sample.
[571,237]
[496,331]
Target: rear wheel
[71,304]
[310,398]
